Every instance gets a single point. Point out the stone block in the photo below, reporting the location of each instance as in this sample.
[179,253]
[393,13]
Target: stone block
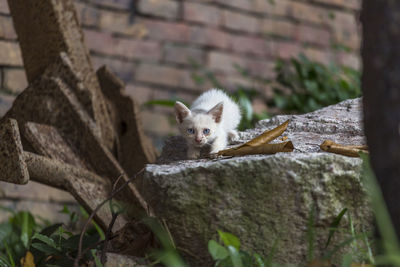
[274,202]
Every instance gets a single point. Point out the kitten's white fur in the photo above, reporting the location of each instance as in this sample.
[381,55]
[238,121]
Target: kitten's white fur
[213,110]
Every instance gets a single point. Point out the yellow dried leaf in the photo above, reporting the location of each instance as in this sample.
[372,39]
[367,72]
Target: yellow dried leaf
[283,138]
[28,260]
[351,151]
[319,263]
[260,149]
[360,265]
[268,135]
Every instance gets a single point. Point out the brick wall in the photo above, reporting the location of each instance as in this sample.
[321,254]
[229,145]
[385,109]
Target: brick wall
[148,43]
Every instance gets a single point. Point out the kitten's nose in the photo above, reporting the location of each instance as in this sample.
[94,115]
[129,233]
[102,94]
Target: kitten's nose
[198,140]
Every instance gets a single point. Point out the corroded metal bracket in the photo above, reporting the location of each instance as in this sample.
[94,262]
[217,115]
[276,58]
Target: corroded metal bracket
[64,130]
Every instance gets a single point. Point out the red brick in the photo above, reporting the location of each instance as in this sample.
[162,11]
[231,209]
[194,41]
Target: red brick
[350,60]
[182,54]
[282,28]
[36,191]
[251,45]
[286,50]
[240,4]
[313,35]
[119,4]
[14,80]
[352,4]
[10,54]
[345,30]
[166,31]
[308,12]
[156,123]
[241,22]
[7,28]
[132,49]
[209,37]
[162,8]
[224,62]
[320,56]
[163,75]
[139,93]
[276,7]
[5,103]
[88,15]
[4,7]
[123,69]
[202,13]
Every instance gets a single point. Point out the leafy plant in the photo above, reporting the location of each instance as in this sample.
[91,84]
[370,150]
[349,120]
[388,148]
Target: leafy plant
[22,238]
[302,85]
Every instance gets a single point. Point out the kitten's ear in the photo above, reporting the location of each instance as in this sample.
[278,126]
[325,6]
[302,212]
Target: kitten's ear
[181,111]
[216,112]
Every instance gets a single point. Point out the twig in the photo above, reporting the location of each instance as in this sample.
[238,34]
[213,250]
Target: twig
[110,226]
[113,194]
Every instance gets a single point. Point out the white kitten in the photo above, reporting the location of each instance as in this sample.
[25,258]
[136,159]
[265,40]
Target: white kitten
[212,118]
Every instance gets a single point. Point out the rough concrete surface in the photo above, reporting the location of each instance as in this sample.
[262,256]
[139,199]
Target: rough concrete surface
[264,198]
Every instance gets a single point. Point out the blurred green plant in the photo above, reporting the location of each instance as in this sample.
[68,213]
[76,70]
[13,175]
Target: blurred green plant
[50,245]
[302,85]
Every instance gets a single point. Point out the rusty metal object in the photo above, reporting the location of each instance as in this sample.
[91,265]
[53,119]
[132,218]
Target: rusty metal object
[134,149]
[46,28]
[12,168]
[59,130]
[87,187]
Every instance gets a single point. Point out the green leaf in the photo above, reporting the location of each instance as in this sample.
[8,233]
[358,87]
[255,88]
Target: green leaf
[383,221]
[235,256]
[160,102]
[45,248]
[48,231]
[4,262]
[96,258]
[334,226]
[229,239]
[347,260]
[9,254]
[27,225]
[47,240]
[259,260]
[217,251]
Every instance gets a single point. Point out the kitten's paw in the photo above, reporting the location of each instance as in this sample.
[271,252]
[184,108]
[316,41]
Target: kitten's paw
[233,137]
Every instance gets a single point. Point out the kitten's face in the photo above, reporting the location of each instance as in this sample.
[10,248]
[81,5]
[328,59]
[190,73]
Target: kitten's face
[199,128]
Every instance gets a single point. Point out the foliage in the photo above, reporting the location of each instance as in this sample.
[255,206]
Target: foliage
[22,238]
[302,85]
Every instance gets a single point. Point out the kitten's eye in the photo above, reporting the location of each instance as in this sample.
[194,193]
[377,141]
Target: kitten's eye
[190,131]
[206,131]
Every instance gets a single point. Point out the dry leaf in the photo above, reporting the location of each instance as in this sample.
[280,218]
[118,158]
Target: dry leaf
[28,260]
[360,265]
[260,149]
[283,138]
[268,135]
[351,151]
[319,263]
